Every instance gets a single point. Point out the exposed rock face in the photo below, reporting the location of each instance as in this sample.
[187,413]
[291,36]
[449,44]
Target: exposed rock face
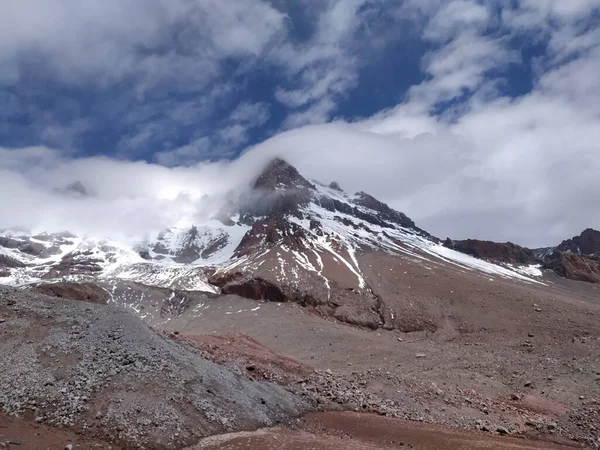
[384,212]
[281,175]
[587,243]
[577,258]
[268,232]
[575,267]
[8,242]
[86,292]
[247,287]
[335,186]
[494,251]
[7,261]
[278,191]
[543,253]
[75,263]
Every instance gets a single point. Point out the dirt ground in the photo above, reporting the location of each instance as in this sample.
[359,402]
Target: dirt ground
[18,434]
[351,431]
[507,354]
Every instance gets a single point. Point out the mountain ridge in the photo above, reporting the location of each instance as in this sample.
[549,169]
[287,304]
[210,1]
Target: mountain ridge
[285,239]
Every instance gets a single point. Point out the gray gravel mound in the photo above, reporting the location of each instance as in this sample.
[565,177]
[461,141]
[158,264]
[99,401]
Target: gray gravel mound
[101,370]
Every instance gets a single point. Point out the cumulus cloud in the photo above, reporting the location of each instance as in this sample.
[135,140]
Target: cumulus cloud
[89,41]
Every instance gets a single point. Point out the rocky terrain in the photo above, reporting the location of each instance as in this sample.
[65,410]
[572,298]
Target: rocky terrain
[576,259]
[504,253]
[96,369]
[296,297]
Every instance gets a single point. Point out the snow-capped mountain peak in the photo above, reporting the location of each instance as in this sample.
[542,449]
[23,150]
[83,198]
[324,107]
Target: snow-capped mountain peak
[285,238]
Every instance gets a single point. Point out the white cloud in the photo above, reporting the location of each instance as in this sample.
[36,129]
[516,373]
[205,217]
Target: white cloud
[455,17]
[251,114]
[323,69]
[86,40]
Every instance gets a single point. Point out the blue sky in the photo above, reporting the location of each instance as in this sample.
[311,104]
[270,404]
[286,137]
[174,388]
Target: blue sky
[455,104]
[133,112]
[372,59]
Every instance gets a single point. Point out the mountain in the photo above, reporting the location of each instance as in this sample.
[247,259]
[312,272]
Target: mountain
[499,252]
[284,239]
[576,259]
[587,243]
[335,296]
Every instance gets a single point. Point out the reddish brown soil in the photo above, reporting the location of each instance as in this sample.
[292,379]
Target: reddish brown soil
[249,356]
[351,431]
[18,434]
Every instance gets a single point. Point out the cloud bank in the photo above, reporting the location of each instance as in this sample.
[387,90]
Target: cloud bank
[460,154]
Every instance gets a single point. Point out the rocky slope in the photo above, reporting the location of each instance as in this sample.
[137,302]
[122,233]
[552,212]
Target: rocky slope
[100,370]
[494,251]
[577,258]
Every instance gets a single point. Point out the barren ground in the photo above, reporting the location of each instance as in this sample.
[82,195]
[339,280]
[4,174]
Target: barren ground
[507,356]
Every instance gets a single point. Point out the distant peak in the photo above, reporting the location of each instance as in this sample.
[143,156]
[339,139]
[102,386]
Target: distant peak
[76,188]
[279,174]
[335,186]
[587,243]
[590,231]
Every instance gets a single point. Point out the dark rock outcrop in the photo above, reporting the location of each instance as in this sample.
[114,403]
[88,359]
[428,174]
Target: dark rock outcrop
[32,248]
[575,267]
[269,231]
[543,253]
[494,251]
[587,243]
[8,242]
[335,186]
[7,261]
[577,258]
[384,212]
[280,175]
[76,189]
[248,287]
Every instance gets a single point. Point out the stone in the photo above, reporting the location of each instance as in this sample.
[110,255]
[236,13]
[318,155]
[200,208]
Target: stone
[502,431]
